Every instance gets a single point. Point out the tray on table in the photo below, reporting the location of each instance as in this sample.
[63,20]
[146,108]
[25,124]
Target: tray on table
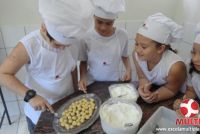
[86,124]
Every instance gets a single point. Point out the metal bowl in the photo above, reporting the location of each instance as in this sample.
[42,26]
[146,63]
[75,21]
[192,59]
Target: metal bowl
[83,126]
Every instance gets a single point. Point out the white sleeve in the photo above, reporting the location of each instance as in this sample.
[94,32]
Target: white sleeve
[124,42]
[189,80]
[83,51]
[189,76]
[29,44]
[125,50]
[75,50]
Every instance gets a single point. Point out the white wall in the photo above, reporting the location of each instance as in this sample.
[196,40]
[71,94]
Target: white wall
[187,14]
[19,12]
[22,12]
[188,11]
[140,9]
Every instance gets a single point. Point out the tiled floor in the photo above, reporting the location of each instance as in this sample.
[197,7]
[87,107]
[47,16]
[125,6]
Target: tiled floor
[18,126]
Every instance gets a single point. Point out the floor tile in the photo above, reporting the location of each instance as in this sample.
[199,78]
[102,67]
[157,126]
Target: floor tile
[23,128]
[14,119]
[22,118]
[9,129]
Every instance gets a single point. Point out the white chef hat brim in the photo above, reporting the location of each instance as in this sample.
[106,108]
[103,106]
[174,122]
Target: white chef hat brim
[108,9]
[66,19]
[161,29]
[155,31]
[99,12]
[197,37]
[61,38]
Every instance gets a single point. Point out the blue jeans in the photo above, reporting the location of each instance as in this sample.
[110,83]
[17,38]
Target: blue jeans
[31,125]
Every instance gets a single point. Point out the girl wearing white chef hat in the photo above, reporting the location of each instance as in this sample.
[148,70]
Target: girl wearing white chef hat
[154,60]
[105,46]
[193,67]
[49,55]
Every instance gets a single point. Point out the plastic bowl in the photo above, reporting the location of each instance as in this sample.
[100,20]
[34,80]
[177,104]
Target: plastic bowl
[126,91]
[130,127]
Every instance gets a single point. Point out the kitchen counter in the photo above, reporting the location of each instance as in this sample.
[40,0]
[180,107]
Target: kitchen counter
[44,124]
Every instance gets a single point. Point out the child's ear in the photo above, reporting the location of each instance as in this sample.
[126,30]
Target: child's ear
[161,48]
[43,28]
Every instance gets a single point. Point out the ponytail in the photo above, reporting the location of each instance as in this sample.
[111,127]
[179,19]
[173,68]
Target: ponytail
[168,47]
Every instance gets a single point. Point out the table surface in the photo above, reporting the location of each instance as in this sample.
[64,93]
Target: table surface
[44,124]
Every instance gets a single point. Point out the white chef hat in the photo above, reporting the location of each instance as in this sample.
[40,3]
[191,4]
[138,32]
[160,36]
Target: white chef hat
[108,9]
[66,20]
[197,37]
[161,29]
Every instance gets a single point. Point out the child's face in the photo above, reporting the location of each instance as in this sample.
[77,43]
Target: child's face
[146,48]
[196,56]
[104,26]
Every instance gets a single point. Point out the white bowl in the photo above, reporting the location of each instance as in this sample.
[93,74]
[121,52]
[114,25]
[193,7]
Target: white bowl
[111,125]
[126,91]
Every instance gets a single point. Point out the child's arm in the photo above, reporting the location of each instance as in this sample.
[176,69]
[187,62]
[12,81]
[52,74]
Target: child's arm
[11,65]
[141,76]
[15,60]
[190,93]
[144,83]
[175,79]
[74,74]
[83,76]
[127,75]
[83,57]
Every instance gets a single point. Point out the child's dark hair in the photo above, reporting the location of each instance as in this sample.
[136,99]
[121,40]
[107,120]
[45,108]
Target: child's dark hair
[193,69]
[168,47]
[50,37]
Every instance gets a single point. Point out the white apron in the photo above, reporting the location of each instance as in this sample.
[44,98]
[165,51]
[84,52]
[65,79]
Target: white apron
[104,59]
[49,73]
